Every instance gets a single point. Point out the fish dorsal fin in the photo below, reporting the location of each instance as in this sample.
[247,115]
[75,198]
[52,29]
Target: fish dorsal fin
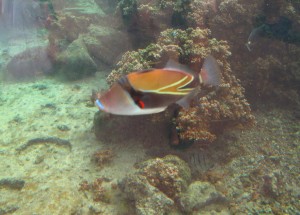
[173,65]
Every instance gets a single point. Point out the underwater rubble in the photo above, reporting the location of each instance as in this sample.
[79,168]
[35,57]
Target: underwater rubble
[161,184]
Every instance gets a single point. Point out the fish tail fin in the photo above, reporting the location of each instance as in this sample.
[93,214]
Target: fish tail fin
[210,73]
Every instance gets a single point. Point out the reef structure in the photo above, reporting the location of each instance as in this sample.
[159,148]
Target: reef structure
[209,115]
[157,184]
[162,186]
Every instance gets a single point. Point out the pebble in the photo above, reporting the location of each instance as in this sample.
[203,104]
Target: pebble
[12,183]
[63,127]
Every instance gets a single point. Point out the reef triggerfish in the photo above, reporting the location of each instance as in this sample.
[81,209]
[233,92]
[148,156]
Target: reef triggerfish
[152,91]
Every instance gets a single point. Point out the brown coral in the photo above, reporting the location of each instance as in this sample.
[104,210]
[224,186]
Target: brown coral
[157,184]
[96,188]
[102,157]
[170,175]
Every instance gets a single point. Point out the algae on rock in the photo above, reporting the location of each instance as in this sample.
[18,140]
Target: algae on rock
[200,195]
[75,62]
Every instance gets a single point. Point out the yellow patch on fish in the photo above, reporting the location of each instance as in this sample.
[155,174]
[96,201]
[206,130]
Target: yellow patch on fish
[161,81]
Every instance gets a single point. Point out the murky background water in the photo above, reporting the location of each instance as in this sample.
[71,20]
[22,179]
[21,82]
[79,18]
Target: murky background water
[235,150]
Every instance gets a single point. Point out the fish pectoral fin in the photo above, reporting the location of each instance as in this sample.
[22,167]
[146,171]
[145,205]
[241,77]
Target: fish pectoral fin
[185,102]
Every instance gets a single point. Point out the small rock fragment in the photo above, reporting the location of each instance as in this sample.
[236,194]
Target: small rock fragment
[8,210]
[147,198]
[12,183]
[199,195]
[63,128]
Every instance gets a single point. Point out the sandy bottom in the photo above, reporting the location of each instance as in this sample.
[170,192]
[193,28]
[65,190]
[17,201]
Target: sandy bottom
[52,173]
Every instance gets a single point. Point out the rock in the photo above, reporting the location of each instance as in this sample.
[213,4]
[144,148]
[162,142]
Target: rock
[78,7]
[156,184]
[29,64]
[9,209]
[75,62]
[106,44]
[294,189]
[272,186]
[114,128]
[63,127]
[199,195]
[12,183]
[170,174]
[147,198]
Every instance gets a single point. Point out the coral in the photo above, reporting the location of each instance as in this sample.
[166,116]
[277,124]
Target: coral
[68,26]
[272,72]
[230,20]
[127,7]
[102,157]
[153,9]
[201,12]
[131,61]
[96,188]
[270,50]
[208,115]
[146,19]
[169,174]
[156,184]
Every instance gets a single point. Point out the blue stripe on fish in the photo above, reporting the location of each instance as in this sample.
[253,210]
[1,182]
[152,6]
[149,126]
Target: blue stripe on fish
[99,104]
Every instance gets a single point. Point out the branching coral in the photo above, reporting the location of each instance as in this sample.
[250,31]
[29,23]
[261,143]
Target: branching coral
[201,11]
[224,108]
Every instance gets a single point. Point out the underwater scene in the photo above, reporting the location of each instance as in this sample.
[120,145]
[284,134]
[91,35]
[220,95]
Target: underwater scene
[140,107]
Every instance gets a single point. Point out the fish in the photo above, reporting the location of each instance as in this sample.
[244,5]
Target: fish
[199,161]
[254,34]
[153,90]
[280,29]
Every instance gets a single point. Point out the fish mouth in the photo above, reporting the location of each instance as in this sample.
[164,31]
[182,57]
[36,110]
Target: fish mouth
[99,104]
[119,102]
